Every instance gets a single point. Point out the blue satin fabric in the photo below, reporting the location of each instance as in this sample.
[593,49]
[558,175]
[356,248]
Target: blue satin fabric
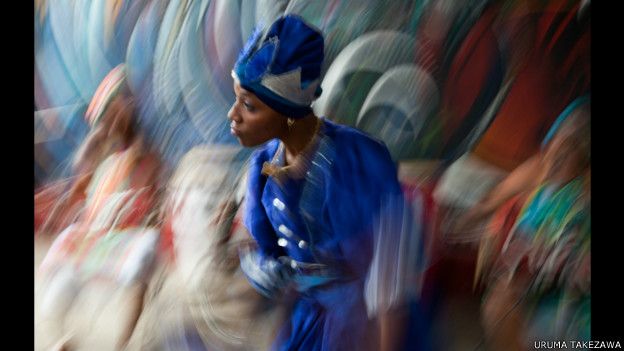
[332,211]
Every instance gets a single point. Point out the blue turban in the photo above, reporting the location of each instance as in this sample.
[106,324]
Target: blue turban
[283,67]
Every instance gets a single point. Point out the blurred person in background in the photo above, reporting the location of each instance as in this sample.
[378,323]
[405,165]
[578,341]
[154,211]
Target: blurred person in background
[535,256]
[323,204]
[58,204]
[206,301]
[114,238]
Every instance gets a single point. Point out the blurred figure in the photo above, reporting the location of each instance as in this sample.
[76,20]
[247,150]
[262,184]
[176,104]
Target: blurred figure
[59,204]
[535,256]
[114,239]
[323,204]
[206,300]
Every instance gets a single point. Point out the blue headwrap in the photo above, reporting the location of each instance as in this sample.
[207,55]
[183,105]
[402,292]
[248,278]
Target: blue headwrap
[283,67]
[562,117]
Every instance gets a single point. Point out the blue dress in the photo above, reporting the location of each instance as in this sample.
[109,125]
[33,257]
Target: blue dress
[317,224]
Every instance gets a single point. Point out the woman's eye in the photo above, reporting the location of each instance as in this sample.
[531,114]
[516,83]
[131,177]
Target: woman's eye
[249,107]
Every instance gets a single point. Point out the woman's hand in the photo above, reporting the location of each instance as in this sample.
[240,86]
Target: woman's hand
[266,274]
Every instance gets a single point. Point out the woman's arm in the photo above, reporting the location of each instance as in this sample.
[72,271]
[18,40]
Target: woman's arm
[525,176]
[393,324]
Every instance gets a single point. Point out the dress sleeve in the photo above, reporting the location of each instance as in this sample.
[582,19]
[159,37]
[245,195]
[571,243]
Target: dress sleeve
[381,232]
[363,175]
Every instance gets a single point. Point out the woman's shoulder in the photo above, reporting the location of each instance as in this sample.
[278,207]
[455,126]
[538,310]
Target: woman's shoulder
[357,153]
[349,135]
[354,144]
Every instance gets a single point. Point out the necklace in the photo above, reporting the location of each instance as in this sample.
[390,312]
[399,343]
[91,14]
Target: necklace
[296,168]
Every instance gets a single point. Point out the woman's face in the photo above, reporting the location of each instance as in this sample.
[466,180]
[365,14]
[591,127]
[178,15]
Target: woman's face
[110,134]
[252,122]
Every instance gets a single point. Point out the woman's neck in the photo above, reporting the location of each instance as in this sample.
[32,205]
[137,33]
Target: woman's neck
[299,136]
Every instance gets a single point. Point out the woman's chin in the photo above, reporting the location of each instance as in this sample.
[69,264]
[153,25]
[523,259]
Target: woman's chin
[246,142]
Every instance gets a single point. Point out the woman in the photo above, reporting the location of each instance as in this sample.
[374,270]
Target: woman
[212,298]
[535,257]
[113,238]
[319,198]
[59,204]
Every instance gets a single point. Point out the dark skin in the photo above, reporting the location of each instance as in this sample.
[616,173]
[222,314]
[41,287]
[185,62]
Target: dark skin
[254,123]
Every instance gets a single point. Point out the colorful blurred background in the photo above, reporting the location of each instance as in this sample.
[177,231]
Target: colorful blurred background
[463,93]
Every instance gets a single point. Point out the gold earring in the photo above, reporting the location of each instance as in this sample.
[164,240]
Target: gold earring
[290,122]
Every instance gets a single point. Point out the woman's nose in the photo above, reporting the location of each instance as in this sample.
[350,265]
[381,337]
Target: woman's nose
[233,114]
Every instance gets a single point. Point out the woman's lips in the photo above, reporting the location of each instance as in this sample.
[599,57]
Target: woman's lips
[233,129]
